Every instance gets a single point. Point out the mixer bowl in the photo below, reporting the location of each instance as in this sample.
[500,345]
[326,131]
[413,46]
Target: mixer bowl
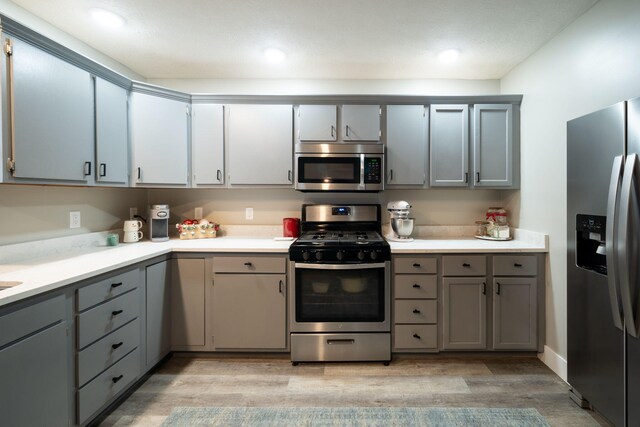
[403,227]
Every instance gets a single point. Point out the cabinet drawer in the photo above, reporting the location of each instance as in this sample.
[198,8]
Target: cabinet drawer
[105,352]
[515,265]
[22,322]
[420,265]
[416,286]
[106,289]
[249,264]
[95,323]
[107,385]
[415,337]
[464,265]
[416,311]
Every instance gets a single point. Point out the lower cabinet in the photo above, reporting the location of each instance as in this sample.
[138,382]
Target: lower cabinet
[158,313]
[464,322]
[188,303]
[515,313]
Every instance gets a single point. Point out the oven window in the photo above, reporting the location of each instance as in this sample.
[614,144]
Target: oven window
[329,170]
[340,295]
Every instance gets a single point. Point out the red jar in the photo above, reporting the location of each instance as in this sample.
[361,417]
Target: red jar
[291,227]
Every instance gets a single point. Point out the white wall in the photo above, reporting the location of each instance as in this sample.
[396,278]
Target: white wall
[593,63]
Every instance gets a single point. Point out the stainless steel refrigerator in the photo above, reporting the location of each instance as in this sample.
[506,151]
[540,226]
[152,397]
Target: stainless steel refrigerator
[603,257]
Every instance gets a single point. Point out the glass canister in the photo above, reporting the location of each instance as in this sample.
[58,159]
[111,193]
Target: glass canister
[497,215]
[481,228]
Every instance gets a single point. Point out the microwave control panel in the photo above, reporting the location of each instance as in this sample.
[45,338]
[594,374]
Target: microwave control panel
[372,170]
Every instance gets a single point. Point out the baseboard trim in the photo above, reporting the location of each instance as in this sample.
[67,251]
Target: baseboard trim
[554,361]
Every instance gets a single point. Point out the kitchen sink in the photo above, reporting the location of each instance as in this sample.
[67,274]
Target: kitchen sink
[8,284]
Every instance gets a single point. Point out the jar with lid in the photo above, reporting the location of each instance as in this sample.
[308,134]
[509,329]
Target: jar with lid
[497,215]
[481,228]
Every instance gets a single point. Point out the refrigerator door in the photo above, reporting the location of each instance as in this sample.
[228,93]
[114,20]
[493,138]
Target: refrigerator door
[595,346]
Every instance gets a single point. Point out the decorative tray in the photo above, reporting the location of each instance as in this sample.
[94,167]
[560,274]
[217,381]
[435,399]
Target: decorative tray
[497,239]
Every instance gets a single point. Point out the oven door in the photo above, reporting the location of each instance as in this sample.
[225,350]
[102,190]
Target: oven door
[340,297]
[329,172]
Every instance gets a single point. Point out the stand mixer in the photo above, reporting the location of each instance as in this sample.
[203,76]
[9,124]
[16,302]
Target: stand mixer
[401,224]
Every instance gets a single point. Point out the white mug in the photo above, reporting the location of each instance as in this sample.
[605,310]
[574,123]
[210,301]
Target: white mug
[132,236]
[133,225]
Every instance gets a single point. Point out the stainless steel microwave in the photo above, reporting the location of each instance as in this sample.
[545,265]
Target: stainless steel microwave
[339,167]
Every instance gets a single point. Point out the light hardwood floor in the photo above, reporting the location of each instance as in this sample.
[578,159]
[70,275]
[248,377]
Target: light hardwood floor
[427,381]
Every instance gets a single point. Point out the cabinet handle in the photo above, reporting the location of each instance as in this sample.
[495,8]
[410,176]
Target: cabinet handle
[116,312]
[114,346]
[466,265]
[347,130]
[87,168]
[517,265]
[289,176]
[8,50]
[219,175]
[115,285]
[416,265]
[484,288]
[415,285]
[280,285]
[139,173]
[333,131]
[466,177]
[118,378]
[416,336]
[390,175]
[416,311]
[341,341]
[477,176]
[103,169]
[498,288]
[248,264]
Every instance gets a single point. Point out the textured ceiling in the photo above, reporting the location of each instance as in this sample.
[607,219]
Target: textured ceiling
[324,39]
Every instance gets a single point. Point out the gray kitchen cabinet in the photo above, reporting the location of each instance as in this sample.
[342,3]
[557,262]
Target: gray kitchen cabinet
[464,322]
[406,144]
[515,313]
[449,146]
[188,303]
[207,144]
[112,135]
[360,123]
[260,142]
[160,140]
[493,157]
[34,365]
[317,123]
[158,314]
[52,107]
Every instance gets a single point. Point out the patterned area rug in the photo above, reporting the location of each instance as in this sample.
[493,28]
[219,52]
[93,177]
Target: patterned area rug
[356,416]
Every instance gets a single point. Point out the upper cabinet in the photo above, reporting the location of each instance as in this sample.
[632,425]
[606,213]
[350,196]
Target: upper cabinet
[260,141]
[493,149]
[449,145]
[51,117]
[207,144]
[317,123]
[406,144]
[112,148]
[160,140]
[361,123]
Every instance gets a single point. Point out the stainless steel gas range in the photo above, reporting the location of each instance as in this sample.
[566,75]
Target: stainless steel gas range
[340,291]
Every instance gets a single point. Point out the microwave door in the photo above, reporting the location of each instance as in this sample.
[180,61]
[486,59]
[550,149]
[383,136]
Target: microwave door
[329,172]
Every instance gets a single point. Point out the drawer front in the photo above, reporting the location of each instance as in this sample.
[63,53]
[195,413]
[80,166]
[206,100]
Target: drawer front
[108,288]
[23,322]
[410,337]
[339,347]
[416,286]
[415,265]
[515,265]
[416,311]
[249,264]
[464,265]
[105,352]
[103,388]
[99,321]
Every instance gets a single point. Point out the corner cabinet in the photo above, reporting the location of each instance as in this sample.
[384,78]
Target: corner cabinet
[159,139]
[260,144]
[207,145]
[407,144]
[158,315]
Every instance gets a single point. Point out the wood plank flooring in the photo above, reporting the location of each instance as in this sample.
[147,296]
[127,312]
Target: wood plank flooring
[427,381]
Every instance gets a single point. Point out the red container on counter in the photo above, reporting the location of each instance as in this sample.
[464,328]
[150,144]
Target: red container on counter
[291,227]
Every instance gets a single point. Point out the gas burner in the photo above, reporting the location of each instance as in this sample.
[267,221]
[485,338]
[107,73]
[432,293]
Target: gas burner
[360,242]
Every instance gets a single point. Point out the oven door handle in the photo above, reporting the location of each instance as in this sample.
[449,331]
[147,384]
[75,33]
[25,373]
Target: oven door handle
[339,266]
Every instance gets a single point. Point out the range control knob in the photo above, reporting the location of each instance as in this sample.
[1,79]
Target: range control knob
[340,255]
[374,255]
[318,255]
[361,255]
[306,255]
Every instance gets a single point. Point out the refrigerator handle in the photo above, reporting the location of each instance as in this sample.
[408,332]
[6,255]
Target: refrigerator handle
[622,243]
[610,234]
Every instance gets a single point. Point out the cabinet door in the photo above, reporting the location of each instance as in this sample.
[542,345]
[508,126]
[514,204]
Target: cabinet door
[249,311]
[361,123]
[158,303]
[492,145]
[406,144]
[53,117]
[207,144]
[449,145]
[159,135]
[515,313]
[112,163]
[260,144]
[187,302]
[464,323]
[317,123]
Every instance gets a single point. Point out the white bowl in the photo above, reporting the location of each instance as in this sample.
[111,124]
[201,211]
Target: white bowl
[353,285]
[320,287]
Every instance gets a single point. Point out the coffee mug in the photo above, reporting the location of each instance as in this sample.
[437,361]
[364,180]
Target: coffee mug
[132,236]
[112,240]
[133,225]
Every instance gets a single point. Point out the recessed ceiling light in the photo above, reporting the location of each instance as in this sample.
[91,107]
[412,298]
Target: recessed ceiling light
[274,55]
[448,55]
[106,18]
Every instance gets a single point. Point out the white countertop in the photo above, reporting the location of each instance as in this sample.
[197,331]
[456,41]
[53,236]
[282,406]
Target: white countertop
[66,261]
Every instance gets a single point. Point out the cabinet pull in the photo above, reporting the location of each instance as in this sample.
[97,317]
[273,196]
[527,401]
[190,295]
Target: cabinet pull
[498,288]
[517,265]
[333,131]
[484,288]
[464,264]
[466,177]
[115,285]
[415,285]
[477,176]
[87,168]
[346,130]
[280,285]
[219,175]
[118,378]
[416,311]
[390,175]
[139,173]
[103,169]
[341,341]
[8,50]
[116,312]
[416,265]
[416,336]
[248,264]
[289,176]
[114,346]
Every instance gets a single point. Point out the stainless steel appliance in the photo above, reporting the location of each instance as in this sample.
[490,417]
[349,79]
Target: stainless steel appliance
[401,223]
[339,167]
[159,223]
[340,304]
[603,244]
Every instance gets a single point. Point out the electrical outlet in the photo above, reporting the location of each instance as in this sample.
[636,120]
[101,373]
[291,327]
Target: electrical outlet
[133,212]
[249,213]
[197,214]
[74,219]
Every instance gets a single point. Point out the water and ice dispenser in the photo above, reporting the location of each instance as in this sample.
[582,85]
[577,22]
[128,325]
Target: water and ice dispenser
[590,243]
